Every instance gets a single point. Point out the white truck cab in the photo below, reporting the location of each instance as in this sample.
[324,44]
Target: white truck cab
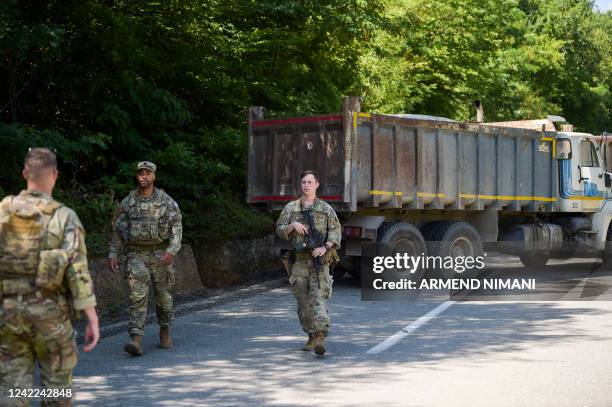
[582,175]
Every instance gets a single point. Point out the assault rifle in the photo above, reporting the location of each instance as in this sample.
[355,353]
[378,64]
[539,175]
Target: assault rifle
[312,240]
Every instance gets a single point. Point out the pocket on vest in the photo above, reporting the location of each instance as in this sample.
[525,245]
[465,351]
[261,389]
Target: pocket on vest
[51,268]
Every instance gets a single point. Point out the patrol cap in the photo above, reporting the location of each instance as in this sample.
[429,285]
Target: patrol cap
[146,165]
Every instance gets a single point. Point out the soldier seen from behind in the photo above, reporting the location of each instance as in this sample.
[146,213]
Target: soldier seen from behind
[44,283]
[147,226]
[314,231]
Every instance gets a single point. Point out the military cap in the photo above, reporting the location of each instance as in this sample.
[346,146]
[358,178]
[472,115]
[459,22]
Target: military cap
[146,165]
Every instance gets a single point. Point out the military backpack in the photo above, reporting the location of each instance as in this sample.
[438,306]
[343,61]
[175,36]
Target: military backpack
[25,264]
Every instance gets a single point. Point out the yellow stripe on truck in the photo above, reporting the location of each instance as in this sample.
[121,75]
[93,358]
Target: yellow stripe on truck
[428,194]
[376,192]
[493,197]
[510,197]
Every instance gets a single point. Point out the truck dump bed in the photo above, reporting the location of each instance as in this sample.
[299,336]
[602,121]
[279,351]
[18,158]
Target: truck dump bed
[368,161]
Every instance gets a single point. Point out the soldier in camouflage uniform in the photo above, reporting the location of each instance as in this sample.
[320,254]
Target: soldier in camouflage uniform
[311,287]
[44,279]
[148,226]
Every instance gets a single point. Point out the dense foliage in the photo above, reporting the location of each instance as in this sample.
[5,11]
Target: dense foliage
[109,83]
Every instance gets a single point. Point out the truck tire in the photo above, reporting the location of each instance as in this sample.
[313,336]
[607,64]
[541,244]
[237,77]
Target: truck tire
[534,261]
[606,254]
[454,239]
[405,238]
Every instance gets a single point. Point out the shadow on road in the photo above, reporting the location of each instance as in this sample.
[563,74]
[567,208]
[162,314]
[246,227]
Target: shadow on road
[247,353]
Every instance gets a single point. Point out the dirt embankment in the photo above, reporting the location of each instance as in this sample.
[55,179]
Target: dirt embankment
[200,272]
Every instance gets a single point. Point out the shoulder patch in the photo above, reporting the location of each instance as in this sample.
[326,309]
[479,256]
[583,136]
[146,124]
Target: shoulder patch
[72,217]
[130,200]
[167,199]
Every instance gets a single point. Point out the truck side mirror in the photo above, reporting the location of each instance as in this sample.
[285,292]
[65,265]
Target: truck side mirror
[608,179]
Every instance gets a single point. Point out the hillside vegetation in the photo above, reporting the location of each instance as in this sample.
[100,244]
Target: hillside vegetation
[109,83]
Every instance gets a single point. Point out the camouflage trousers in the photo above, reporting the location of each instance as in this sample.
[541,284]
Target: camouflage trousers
[143,267]
[36,329]
[312,295]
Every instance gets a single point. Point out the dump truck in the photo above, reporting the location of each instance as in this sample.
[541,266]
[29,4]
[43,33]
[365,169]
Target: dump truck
[410,180]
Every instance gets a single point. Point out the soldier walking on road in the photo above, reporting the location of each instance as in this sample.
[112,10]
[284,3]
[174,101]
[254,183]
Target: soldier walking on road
[310,277]
[44,279]
[148,227]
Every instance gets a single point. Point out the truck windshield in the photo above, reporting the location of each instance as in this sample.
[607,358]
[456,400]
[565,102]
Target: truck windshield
[588,154]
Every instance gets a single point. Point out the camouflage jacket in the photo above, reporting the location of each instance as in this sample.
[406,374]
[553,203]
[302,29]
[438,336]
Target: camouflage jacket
[325,220]
[64,231]
[147,221]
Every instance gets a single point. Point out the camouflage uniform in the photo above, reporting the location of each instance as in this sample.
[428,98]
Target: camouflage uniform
[311,291]
[35,312]
[147,227]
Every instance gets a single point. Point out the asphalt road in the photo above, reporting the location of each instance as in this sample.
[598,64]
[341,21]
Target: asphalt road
[246,352]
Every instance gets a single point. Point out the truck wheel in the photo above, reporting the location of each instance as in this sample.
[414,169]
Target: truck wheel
[534,261]
[455,239]
[405,238]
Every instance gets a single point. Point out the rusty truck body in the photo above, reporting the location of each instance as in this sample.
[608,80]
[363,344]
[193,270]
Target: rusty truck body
[422,178]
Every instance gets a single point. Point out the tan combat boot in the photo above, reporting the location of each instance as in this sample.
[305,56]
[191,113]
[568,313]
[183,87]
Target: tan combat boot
[165,342]
[309,346]
[134,346]
[319,344]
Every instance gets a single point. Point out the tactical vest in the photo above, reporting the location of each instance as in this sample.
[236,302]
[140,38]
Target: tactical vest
[25,264]
[321,224]
[320,221]
[148,221]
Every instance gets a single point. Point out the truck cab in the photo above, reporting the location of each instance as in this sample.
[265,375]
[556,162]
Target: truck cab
[584,183]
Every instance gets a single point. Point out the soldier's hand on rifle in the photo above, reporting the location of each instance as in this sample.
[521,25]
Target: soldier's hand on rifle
[167,259]
[113,264]
[319,251]
[299,228]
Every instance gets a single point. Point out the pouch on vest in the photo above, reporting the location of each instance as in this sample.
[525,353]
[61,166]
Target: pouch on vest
[51,269]
[144,231]
[135,228]
[21,241]
[331,256]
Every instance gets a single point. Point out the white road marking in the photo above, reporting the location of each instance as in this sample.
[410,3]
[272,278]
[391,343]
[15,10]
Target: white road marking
[408,329]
